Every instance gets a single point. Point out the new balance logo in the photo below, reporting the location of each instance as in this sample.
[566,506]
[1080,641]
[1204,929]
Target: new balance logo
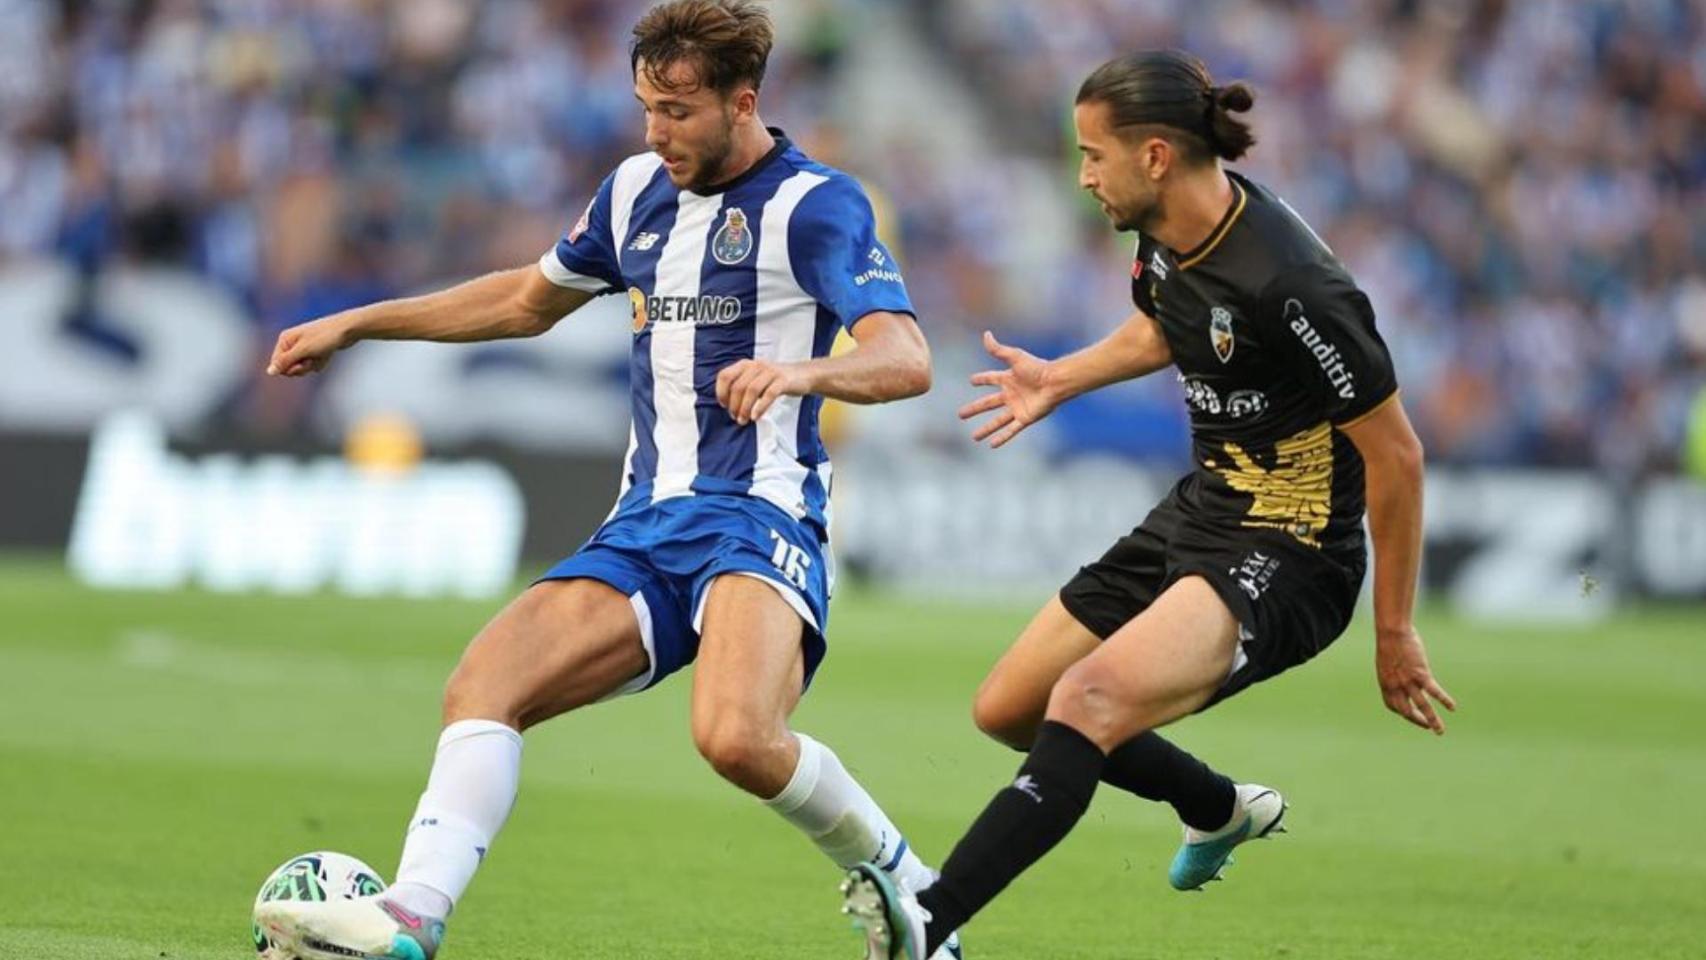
[644,241]
[1027,785]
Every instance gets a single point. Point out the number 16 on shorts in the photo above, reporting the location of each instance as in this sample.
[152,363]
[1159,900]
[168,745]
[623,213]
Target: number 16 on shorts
[792,561]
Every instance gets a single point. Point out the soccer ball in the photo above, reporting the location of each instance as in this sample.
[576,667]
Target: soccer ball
[313,876]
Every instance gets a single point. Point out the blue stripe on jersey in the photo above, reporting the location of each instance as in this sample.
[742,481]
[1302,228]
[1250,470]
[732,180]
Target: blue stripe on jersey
[809,440]
[654,212]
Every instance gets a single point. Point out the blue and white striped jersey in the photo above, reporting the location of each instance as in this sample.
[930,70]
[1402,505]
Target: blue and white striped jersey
[769,267]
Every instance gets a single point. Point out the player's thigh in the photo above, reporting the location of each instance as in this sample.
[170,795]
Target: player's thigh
[751,665]
[560,645]
[1014,696]
[1164,664]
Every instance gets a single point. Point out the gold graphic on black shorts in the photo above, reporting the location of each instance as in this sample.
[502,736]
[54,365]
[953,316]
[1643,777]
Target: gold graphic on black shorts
[1295,495]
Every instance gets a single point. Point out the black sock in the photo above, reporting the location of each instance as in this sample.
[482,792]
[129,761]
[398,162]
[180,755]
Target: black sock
[1154,769]
[1024,821]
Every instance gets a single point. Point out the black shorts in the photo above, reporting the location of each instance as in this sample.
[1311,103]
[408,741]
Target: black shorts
[1291,600]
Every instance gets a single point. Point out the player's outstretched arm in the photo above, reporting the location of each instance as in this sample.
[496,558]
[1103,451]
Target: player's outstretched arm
[1030,388]
[1392,460]
[891,362]
[509,303]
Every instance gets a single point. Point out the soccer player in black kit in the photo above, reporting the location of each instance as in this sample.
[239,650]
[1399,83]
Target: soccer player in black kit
[1253,562]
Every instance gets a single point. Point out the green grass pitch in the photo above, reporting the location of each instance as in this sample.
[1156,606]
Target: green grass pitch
[160,753]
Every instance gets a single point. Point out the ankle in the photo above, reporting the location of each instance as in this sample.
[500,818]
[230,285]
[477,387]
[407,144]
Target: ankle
[420,898]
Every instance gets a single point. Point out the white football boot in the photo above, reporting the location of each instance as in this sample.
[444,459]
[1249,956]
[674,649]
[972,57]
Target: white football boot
[368,928]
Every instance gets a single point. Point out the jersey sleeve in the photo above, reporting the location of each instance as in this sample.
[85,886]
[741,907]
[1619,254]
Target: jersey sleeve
[1334,349]
[837,258]
[1142,276]
[585,257]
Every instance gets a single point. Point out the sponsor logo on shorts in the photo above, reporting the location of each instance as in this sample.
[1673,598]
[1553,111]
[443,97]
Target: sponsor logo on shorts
[1254,573]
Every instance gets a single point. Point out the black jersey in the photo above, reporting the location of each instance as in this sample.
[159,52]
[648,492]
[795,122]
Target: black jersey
[1275,347]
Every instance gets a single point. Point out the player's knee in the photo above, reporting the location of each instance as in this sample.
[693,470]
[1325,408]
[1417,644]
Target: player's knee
[739,750]
[1088,698]
[1002,721]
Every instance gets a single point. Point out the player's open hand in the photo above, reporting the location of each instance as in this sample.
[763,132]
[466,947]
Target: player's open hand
[747,388]
[1406,682]
[1022,396]
[307,348]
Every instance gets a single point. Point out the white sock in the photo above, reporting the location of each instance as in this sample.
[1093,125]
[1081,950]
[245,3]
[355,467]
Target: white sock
[467,798]
[824,801]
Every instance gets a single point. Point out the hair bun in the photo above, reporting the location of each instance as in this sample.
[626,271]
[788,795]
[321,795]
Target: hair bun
[1235,98]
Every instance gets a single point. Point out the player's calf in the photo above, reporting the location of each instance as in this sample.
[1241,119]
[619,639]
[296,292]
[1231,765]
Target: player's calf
[1004,721]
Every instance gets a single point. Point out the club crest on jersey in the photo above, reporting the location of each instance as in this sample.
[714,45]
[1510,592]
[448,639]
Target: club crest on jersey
[1220,333]
[733,240]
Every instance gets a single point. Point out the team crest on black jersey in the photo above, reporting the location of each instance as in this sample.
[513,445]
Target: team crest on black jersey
[733,240]
[1220,333]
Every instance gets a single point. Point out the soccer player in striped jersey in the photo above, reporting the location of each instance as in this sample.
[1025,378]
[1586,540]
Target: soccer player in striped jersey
[740,258]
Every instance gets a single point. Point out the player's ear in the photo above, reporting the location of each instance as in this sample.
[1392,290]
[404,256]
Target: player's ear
[1156,158]
[745,103]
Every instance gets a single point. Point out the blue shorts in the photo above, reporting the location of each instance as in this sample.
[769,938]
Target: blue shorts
[664,556]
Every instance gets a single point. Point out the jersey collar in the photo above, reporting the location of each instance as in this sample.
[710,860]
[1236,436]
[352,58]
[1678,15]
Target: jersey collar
[1233,210]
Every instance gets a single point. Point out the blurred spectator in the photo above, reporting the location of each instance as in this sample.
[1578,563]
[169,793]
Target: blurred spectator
[1518,185]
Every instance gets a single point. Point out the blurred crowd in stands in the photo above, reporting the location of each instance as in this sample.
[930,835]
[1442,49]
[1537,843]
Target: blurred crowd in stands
[1520,186]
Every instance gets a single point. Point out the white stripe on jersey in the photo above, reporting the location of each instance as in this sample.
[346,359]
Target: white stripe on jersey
[786,322]
[631,177]
[627,468]
[676,432]
[562,276]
